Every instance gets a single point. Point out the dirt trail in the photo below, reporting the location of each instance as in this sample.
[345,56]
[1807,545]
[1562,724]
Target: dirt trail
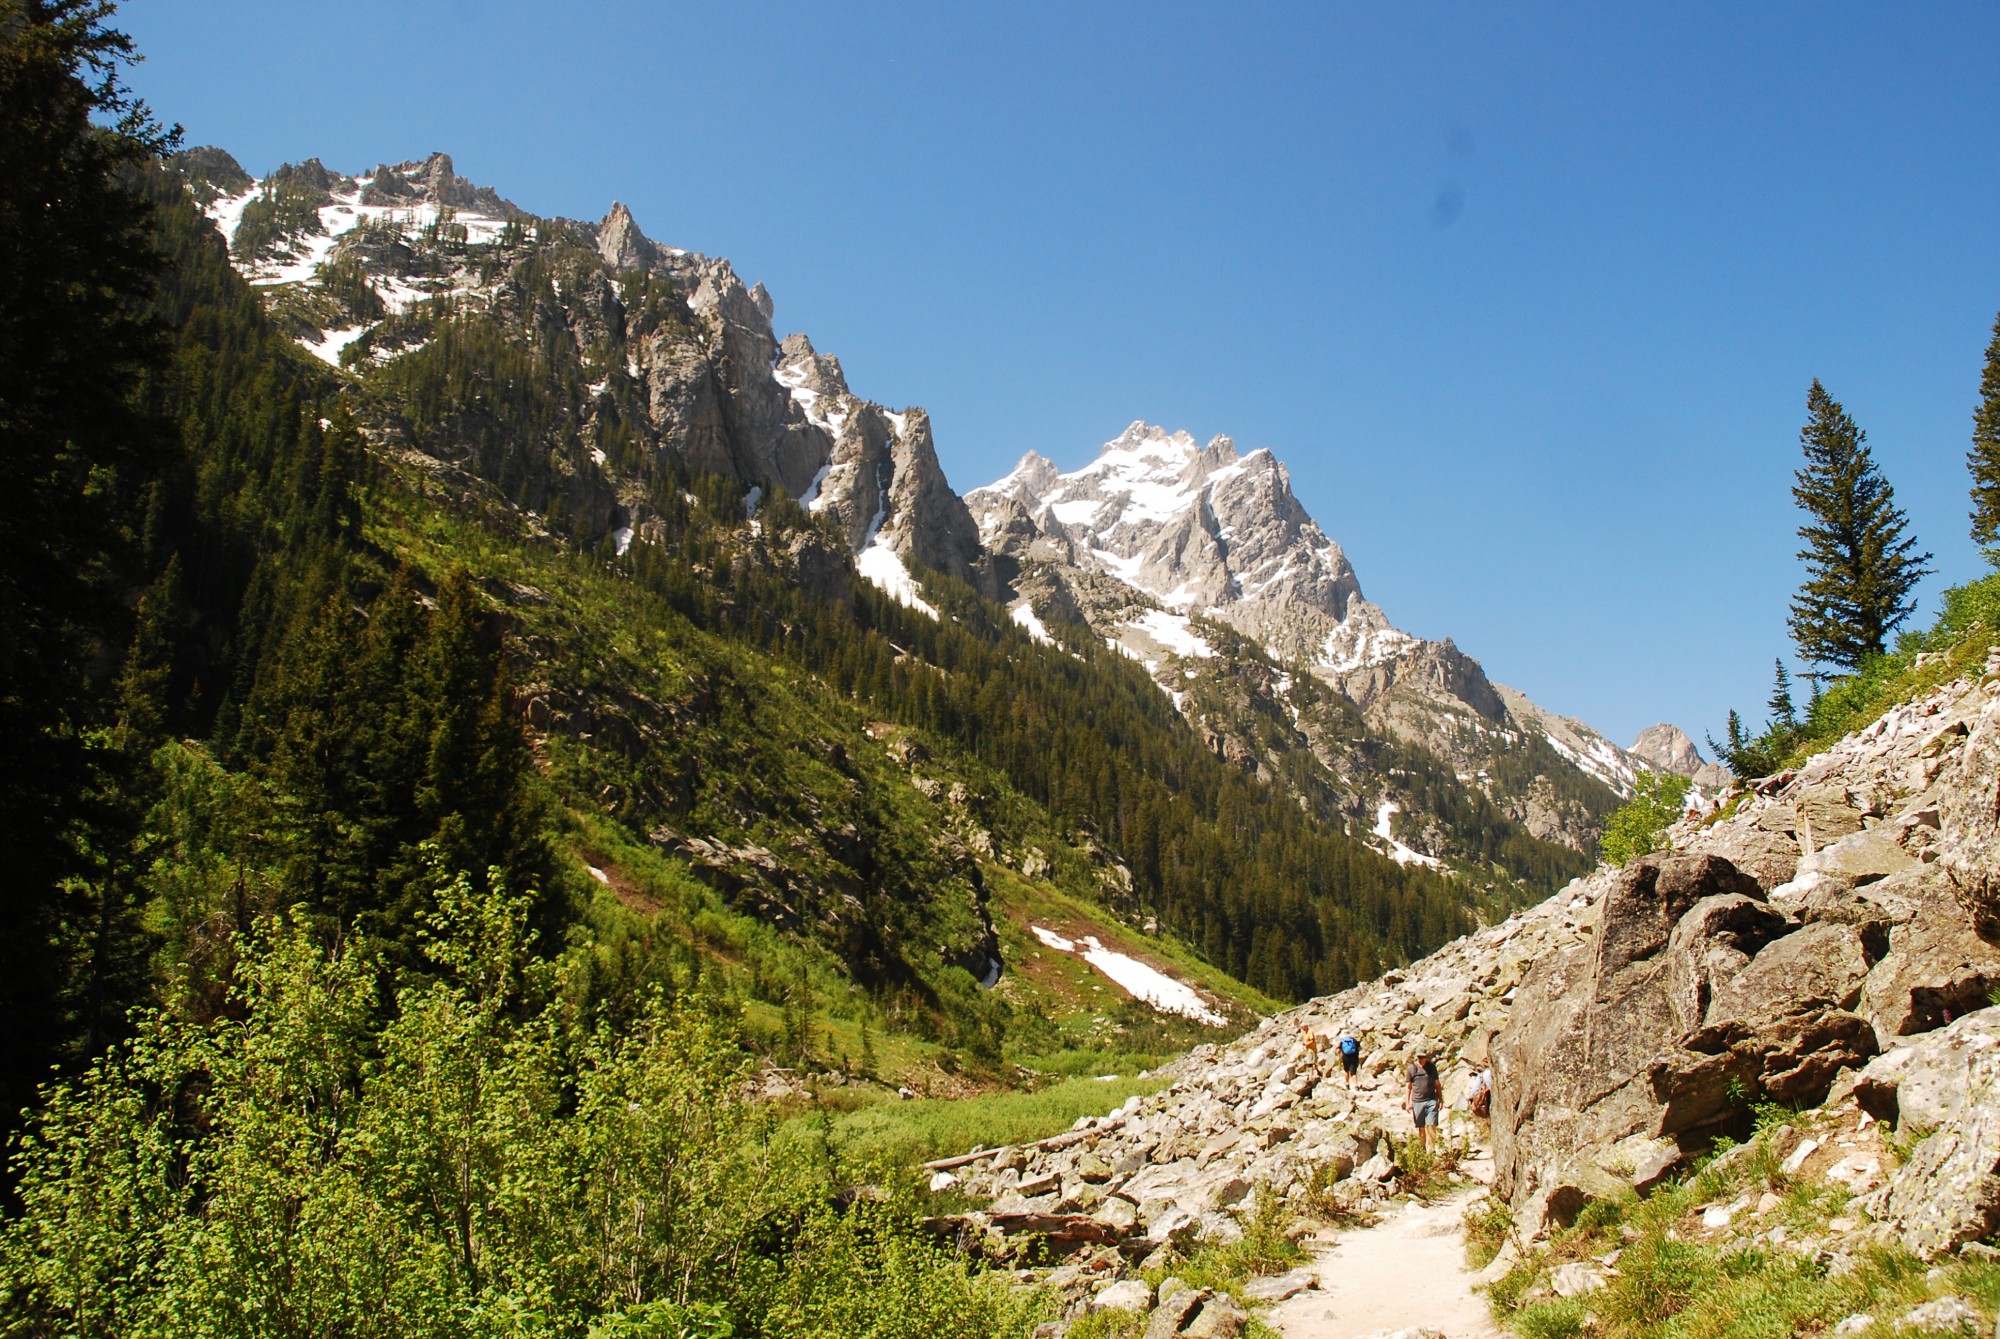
[1407,1270]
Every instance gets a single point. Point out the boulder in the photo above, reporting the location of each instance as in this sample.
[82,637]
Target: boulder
[1948,1193]
[1934,971]
[1578,1066]
[1860,857]
[1711,945]
[1280,1287]
[1124,1295]
[1219,1318]
[1826,814]
[1175,1311]
[1822,964]
[1968,845]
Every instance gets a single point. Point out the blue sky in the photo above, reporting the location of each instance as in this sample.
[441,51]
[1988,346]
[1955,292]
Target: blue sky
[1528,297]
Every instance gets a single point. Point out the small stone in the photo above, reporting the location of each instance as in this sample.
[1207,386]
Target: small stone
[1575,1279]
[1281,1287]
[1768,1201]
[1854,1324]
[942,1181]
[1945,1315]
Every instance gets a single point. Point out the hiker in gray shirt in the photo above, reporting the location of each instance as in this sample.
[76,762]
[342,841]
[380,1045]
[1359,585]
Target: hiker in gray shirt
[1422,1103]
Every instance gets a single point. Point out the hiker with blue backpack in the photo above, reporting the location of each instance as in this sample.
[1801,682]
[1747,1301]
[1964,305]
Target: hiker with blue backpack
[1350,1056]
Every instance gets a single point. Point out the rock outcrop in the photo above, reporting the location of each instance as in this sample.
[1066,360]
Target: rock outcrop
[1627,1022]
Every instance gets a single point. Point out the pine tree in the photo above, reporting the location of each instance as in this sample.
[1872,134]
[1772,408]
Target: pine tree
[76,268]
[1984,457]
[1859,566]
[1780,703]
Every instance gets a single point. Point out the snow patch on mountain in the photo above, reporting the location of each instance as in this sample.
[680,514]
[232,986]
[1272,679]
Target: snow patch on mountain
[1140,980]
[1398,852]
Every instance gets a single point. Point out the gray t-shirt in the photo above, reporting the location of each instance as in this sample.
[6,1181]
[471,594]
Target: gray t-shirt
[1423,1084]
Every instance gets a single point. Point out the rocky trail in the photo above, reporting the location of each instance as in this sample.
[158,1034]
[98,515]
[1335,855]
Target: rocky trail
[1830,940]
[1404,1274]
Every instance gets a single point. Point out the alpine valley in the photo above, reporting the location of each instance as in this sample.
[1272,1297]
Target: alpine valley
[763,647]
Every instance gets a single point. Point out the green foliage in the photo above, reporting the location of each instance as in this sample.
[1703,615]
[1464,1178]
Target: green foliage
[1675,1281]
[1264,1248]
[481,1159]
[1637,827]
[1487,1227]
[1860,566]
[1983,460]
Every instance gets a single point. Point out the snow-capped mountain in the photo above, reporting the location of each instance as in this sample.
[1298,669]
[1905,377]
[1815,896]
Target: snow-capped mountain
[1160,539]
[349,258]
[1196,560]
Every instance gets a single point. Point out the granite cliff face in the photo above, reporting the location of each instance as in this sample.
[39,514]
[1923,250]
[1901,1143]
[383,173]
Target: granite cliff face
[701,382]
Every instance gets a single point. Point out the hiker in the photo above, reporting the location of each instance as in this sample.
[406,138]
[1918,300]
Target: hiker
[1314,1044]
[1350,1056]
[1480,1100]
[1422,1102]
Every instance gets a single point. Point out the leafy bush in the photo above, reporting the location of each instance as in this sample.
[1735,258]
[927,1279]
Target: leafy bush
[483,1159]
[1657,798]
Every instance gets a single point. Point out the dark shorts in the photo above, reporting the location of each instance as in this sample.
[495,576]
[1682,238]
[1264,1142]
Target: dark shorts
[1426,1113]
[1350,1063]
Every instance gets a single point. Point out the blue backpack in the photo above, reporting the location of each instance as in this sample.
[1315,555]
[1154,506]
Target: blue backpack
[1349,1048]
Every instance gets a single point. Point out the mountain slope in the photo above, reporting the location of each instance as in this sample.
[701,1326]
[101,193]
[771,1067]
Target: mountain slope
[707,553]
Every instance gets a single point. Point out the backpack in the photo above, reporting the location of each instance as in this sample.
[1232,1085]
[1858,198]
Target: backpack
[1349,1048]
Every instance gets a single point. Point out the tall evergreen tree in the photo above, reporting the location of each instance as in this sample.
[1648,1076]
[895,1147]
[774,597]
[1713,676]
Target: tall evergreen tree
[1860,568]
[76,269]
[1984,457]
[1780,702]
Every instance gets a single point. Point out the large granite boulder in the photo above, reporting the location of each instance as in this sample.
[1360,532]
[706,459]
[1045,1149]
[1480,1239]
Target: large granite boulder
[1948,1193]
[1695,996]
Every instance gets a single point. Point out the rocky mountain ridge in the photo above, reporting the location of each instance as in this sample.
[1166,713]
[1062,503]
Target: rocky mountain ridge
[1159,535]
[1827,941]
[685,377]
[344,256]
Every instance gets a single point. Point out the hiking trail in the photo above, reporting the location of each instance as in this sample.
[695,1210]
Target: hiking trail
[1406,1271]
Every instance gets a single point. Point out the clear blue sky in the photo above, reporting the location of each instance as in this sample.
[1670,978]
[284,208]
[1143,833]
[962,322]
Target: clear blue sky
[1527,297]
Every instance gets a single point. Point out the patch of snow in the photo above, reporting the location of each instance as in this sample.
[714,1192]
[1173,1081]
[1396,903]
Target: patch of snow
[1174,632]
[597,454]
[1137,979]
[1024,614]
[751,499]
[1398,852]
[900,421]
[884,568]
[621,539]
[599,875]
[327,348]
[810,498]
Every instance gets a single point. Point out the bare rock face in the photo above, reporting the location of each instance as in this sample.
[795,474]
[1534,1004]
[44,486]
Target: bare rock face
[1694,995]
[1969,814]
[1948,1193]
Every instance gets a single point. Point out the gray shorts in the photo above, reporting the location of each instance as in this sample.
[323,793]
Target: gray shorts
[1426,1113]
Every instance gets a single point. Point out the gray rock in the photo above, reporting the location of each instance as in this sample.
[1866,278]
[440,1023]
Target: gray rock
[1942,1315]
[1124,1295]
[1576,1278]
[1932,972]
[1969,820]
[1948,1193]
[1282,1286]
[1175,1312]
[1219,1318]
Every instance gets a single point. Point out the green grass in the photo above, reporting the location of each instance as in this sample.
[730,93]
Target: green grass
[902,1134]
[1673,1283]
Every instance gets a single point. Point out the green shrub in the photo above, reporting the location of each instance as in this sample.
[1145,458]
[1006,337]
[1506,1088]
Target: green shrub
[1637,827]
